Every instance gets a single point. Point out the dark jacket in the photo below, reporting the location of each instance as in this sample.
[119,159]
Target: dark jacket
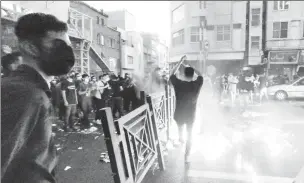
[27,151]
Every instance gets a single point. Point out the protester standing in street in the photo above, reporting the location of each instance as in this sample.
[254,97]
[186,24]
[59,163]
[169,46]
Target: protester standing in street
[28,154]
[129,94]
[117,100]
[186,92]
[69,96]
[263,87]
[84,92]
[232,82]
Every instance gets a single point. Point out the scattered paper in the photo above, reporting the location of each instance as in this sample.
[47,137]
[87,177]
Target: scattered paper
[96,137]
[67,167]
[58,148]
[79,147]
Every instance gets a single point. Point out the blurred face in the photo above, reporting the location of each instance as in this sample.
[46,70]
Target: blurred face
[106,78]
[78,77]
[55,53]
[86,79]
[15,65]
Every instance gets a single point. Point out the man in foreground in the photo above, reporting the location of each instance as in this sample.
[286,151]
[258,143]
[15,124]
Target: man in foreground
[27,151]
[186,92]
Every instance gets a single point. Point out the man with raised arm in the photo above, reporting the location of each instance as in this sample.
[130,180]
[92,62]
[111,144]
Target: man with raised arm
[186,92]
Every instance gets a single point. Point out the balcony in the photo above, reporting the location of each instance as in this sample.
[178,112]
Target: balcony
[285,44]
[80,25]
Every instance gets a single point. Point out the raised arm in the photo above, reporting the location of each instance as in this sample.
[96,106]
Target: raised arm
[175,69]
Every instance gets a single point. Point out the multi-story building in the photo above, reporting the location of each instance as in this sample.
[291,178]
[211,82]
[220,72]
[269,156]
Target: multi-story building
[256,30]
[221,23]
[105,43]
[80,29]
[122,19]
[285,37]
[132,53]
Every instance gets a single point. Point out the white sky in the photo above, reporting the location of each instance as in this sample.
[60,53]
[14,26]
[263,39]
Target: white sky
[151,16]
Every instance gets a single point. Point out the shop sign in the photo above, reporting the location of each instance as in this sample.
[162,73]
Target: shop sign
[283,57]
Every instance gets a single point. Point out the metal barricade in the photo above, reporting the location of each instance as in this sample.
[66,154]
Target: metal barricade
[132,143]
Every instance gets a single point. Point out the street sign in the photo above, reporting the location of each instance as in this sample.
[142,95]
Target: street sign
[206,45]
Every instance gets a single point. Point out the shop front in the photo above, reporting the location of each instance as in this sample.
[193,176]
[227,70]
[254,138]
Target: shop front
[283,63]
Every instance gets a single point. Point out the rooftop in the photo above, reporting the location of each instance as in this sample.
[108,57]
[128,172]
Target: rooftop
[91,7]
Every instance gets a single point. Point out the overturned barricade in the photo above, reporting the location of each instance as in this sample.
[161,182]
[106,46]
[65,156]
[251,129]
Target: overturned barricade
[135,141]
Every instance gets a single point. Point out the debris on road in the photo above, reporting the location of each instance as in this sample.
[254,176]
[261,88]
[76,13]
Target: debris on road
[67,168]
[104,157]
[79,148]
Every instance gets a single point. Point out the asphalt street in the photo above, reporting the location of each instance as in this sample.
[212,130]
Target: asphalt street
[264,144]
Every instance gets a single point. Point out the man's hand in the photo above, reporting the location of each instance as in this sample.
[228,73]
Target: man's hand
[66,103]
[178,65]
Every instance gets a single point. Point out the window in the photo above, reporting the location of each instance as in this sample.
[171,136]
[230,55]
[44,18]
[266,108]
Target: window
[102,21]
[280,29]
[178,38]
[108,43]
[255,42]
[195,34]
[255,16]
[130,60]
[97,20]
[102,40]
[178,14]
[223,33]
[281,5]
[113,41]
[98,39]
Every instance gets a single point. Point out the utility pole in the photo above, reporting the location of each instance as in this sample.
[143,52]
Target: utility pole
[202,61]
[201,44]
[246,55]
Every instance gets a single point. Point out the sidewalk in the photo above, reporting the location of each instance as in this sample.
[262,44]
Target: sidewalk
[79,156]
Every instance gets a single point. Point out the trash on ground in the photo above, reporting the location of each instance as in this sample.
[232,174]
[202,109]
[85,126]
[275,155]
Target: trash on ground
[96,137]
[104,157]
[66,168]
[57,145]
[59,148]
[79,147]
[54,125]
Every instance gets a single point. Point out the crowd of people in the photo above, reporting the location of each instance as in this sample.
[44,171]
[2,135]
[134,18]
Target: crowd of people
[76,96]
[244,88]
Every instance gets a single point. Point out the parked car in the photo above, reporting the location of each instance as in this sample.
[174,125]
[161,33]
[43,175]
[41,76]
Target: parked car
[294,89]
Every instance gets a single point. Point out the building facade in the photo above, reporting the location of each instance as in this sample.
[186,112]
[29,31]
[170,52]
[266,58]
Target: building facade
[105,40]
[285,37]
[122,19]
[220,24]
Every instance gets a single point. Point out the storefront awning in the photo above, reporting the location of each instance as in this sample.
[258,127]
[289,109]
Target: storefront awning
[284,57]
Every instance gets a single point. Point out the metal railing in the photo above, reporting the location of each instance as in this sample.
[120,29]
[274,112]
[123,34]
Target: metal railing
[134,141]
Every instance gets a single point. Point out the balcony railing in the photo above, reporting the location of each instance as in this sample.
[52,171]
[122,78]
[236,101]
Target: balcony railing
[80,25]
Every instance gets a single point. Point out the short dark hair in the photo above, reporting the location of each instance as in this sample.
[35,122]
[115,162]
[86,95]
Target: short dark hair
[36,25]
[189,72]
[9,59]
[84,76]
